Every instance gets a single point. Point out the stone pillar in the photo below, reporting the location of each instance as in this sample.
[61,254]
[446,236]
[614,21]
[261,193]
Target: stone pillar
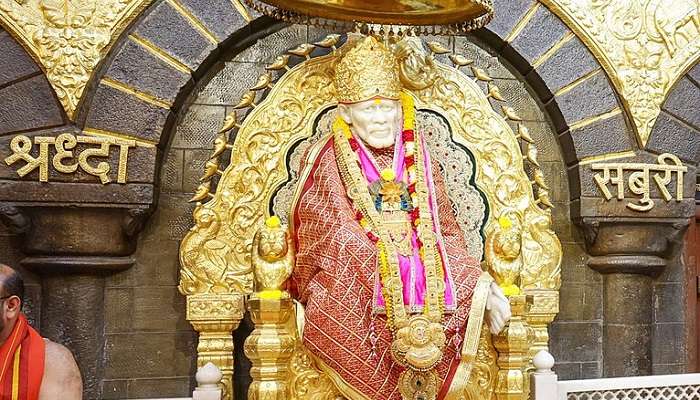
[630,253]
[72,310]
[72,249]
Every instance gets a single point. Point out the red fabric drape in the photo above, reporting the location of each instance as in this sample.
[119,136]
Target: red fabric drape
[22,363]
[335,274]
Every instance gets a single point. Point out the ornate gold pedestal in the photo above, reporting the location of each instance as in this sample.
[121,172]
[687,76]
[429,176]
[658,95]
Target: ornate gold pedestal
[512,346]
[214,317]
[269,348]
[545,307]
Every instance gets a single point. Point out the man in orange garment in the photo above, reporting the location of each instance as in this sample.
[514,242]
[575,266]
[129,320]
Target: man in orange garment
[31,368]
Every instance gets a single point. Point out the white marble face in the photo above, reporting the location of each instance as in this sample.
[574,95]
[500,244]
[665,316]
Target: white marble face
[376,121]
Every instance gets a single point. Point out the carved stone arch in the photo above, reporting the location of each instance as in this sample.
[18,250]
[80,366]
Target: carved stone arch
[27,101]
[146,81]
[584,106]
[677,129]
[570,83]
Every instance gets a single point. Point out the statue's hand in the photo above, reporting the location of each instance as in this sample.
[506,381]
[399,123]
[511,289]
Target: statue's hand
[497,309]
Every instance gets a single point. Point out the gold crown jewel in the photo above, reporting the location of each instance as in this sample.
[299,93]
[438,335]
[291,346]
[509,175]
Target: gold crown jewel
[366,71]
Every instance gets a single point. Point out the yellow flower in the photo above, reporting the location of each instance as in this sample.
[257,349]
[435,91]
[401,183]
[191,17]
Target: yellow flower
[409,111]
[273,222]
[340,125]
[275,294]
[505,222]
[388,174]
[511,290]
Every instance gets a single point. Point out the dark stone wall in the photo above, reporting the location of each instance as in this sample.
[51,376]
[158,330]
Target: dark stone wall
[27,104]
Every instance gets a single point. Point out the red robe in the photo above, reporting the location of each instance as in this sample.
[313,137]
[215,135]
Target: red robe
[22,363]
[335,276]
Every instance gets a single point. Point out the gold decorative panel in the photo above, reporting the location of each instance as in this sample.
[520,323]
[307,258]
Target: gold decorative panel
[68,38]
[645,46]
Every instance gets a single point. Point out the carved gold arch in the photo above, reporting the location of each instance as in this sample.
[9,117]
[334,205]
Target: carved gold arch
[645,47]
[68,38]
[216,254]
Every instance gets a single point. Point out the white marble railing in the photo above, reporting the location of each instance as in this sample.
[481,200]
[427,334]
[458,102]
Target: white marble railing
[546,386]
[208,378]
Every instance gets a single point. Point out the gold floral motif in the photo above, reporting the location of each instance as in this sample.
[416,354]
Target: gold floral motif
[214,317]
[68,38]
[418,385]
[257,168]
[484,372]
[542,254]
[206,258]
[356,83]
[306,381]
[645,46]
[208,307]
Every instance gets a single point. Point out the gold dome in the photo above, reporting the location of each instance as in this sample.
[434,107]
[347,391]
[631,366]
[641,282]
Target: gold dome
[453,14]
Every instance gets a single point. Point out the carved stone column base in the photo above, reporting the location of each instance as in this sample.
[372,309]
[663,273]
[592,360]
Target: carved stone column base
[78,264]
[73,249]
[630,253]
[629,264]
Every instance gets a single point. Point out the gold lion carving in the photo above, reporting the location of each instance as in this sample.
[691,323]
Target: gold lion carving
[273,257]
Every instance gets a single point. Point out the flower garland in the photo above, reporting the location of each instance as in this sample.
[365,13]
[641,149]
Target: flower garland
[420,217]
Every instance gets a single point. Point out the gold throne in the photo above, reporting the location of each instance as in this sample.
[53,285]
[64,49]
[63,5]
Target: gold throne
[491,186]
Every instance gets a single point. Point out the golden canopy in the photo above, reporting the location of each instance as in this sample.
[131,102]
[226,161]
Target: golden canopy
[442,16]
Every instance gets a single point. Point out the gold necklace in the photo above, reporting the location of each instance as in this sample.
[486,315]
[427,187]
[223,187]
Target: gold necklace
[418,340]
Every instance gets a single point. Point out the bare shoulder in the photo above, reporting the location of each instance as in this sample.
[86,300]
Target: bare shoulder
[61,374]
[58,354]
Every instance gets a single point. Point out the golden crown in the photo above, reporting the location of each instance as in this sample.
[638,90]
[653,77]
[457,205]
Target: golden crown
[366,71]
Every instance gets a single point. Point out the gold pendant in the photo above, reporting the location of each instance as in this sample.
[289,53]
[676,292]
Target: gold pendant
[417,385]
[418,345]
